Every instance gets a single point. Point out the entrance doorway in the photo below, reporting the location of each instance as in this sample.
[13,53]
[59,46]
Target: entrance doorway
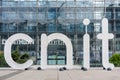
[56,53]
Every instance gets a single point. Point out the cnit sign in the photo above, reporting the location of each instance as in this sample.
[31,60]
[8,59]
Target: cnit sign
[45,40]
[23,42]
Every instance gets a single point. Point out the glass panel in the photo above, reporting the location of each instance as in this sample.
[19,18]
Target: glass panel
[22,26]
[31,26]
[12,27]
[56,53]
[51,13]
[51,27]
[42,27]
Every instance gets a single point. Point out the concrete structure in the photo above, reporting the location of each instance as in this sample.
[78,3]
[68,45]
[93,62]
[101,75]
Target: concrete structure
[35,17]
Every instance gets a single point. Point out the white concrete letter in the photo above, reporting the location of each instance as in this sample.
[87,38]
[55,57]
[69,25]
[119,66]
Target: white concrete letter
[105,36]
[7,51]
[86,51]
[86,46]
[45,40]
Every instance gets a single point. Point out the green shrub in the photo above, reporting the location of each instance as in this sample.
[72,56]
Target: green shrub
[17,57]
[24,56]
[15,54]
[2,61]
[115,59]
[21,61]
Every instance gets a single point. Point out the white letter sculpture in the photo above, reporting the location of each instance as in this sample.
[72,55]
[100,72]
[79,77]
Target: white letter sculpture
[105,36]
[86,46]
[45,40]
[7,51]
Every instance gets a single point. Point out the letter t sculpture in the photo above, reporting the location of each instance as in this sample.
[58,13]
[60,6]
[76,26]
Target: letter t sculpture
[105,36]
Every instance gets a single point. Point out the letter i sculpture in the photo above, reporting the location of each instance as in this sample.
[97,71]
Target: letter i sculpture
[86,46]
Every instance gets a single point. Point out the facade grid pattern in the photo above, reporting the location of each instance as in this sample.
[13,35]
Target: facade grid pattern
[35,17]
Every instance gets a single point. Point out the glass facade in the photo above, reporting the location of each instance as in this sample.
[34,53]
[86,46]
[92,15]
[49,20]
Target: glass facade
[35,17]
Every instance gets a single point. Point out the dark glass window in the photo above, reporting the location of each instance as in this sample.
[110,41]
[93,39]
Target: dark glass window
[51,27]
[42,27]
[118,26]
[22,26]
[117,13]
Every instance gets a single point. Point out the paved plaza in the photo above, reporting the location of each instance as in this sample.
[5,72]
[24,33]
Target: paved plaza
[50,74]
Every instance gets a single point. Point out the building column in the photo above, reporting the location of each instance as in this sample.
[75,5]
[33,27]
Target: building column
[37,50]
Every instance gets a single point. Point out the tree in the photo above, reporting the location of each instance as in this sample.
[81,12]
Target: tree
[115,59]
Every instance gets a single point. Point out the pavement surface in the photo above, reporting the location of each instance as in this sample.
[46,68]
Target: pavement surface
[50,74]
